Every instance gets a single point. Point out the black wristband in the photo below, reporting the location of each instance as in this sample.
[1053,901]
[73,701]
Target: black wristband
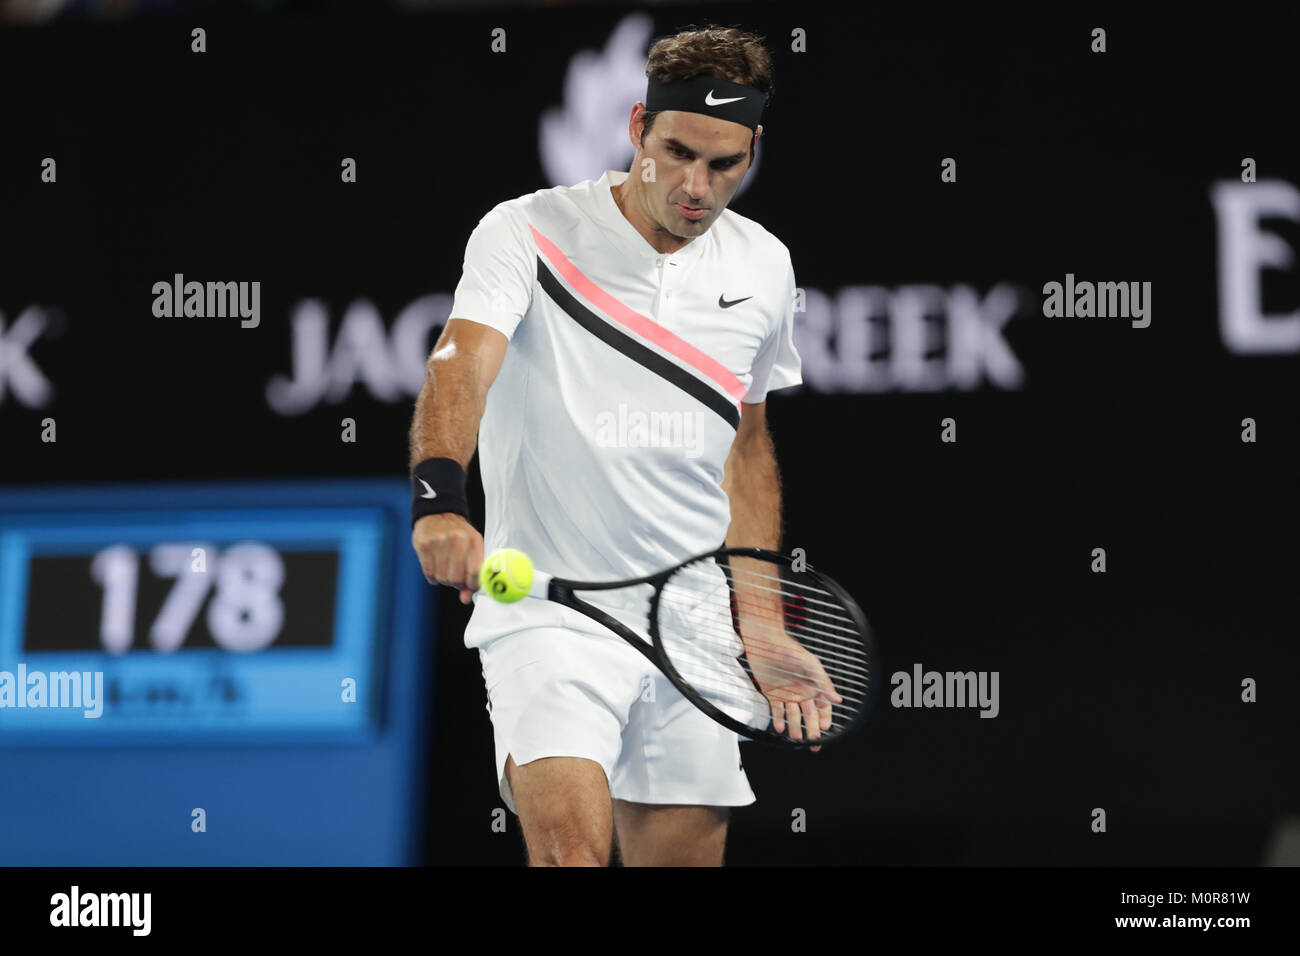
[437,487]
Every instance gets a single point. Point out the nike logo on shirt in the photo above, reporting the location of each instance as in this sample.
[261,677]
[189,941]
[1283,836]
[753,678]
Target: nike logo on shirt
[724,304]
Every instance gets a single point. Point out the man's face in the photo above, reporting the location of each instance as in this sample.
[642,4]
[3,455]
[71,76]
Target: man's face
[699,162]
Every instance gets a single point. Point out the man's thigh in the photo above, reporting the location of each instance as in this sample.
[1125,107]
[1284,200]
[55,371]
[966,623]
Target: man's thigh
[659,835]
[564,809]
[673,755]
[676,777]
[553,693]
[558,700]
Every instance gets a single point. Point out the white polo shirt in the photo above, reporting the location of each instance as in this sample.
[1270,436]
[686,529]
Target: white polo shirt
[605,433]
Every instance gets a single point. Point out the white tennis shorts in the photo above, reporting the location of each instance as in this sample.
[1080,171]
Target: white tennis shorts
[567,691]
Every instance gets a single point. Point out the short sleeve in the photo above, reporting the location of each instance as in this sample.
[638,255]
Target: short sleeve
[777,364]
[496,284]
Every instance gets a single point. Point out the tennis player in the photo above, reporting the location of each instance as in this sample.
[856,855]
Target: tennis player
[611,347]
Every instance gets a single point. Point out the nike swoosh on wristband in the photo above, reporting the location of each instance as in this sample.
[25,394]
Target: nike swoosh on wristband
[428,492]
[710,101]
[724,304]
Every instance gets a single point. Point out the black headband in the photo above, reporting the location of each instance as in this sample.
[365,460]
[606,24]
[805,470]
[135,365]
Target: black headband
[708,95]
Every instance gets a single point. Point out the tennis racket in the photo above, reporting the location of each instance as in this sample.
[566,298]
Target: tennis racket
[777,655]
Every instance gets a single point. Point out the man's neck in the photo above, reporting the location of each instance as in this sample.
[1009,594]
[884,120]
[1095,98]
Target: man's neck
[661,240]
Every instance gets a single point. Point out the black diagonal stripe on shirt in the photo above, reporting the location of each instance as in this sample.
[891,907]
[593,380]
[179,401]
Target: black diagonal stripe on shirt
[642,355]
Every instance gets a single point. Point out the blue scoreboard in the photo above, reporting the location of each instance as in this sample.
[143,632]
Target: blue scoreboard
[170,639]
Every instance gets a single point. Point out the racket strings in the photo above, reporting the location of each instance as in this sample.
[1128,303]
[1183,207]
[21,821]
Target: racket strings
[785,586]
[761,644]
[797,607]
[851,668]
[815,638]
[698,632]
[831,645]
[781,620]
[851,687]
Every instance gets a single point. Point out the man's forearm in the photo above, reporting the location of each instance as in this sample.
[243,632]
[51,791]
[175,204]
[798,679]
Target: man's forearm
[447,411]
[755,492]
[753,484]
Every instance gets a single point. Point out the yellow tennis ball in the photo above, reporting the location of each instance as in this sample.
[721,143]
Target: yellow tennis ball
[507,575]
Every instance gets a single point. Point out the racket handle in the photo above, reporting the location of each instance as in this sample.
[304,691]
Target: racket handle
[541,585]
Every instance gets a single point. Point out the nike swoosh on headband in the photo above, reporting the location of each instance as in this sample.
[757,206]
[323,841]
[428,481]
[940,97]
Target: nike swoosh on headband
[710,101]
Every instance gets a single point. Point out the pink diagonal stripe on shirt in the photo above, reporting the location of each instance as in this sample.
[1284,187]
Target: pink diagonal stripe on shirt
[636,322]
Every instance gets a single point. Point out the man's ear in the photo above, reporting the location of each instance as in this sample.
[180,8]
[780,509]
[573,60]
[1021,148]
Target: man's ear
[636,123]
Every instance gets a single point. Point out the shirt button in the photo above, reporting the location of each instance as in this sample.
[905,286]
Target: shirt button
[669,293]
[660,262]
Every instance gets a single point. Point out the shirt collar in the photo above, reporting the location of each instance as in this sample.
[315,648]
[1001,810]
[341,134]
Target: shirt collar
[632,241]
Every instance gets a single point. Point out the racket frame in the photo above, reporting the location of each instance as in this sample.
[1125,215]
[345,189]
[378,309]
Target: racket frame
[561,591]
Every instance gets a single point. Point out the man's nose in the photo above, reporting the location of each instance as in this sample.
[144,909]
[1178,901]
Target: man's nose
[696,183]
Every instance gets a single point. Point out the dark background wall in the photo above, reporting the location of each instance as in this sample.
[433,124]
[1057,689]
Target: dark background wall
[1120,690]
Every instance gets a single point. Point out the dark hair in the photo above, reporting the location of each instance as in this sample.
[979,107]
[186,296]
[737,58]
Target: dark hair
[727,53]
